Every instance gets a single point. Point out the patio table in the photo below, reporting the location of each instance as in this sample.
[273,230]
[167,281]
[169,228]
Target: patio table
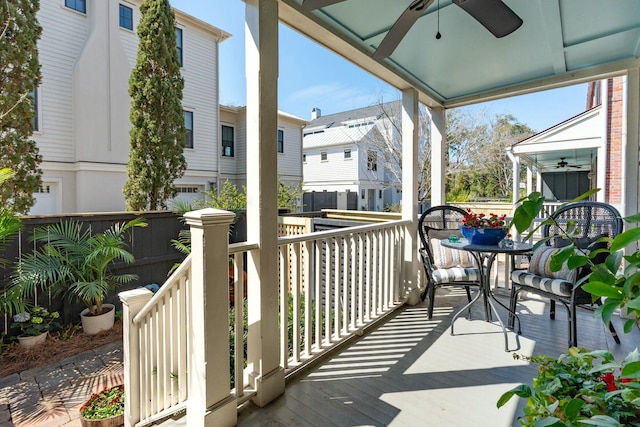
[480,254]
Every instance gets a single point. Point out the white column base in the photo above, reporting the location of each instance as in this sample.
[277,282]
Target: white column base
[268,387]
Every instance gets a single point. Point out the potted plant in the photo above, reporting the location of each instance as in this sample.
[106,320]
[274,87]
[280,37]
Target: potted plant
[104,409]
[34,325]
[589,387]
[481,229]
[76,264]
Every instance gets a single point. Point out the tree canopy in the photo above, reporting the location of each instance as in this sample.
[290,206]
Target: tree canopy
[19,78]
[156,158]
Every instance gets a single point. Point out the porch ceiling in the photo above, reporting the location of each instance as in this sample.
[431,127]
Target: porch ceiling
[578,160]
[561,42]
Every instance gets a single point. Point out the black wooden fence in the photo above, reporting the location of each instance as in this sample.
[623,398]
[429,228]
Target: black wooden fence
[150,245]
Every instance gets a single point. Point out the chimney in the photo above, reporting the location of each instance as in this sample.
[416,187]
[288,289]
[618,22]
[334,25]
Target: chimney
[315,113]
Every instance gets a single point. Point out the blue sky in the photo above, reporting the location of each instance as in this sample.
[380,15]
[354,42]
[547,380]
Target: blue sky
[311,76]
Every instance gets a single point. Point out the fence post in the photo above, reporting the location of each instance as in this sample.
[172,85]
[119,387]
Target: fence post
[132,302]
[210,400]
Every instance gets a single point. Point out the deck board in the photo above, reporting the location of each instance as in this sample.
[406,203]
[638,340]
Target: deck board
[411,372]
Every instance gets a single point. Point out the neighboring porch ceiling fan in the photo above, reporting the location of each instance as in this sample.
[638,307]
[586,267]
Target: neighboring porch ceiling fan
[494,15]
[563,164]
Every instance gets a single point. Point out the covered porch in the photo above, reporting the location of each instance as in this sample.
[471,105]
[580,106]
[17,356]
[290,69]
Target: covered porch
[312,293]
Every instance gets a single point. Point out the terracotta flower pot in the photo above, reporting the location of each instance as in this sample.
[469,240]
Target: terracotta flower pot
[116,421]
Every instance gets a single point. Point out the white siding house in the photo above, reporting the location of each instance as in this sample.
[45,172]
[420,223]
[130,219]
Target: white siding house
[342,154]
[87,51]
[233,143]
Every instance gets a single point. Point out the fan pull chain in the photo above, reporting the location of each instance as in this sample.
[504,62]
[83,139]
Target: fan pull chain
[438,35]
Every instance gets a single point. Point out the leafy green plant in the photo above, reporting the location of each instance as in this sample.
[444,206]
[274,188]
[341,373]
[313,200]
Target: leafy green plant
[106,404]
[581,388]
[10,225]
[36,321]
[76,264]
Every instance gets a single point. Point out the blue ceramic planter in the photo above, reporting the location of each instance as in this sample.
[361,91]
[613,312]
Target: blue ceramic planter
[483,236]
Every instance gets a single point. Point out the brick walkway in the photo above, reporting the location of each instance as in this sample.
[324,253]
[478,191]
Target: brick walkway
[51,395]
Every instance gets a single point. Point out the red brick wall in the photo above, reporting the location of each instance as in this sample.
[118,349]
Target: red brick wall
[615,113]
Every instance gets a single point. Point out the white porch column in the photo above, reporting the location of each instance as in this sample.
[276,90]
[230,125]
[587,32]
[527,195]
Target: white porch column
[210,400]
[602,159]
[529,179]
[631,195]
[515,189]
[261,46]
[438,152]
[410,126]
[132,302]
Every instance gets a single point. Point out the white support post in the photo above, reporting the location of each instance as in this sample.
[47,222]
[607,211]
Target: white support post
[602,155]
[210,400]
[410,126]
[631,163]
[529,178]
[263,348]
[438,155]
[132,302]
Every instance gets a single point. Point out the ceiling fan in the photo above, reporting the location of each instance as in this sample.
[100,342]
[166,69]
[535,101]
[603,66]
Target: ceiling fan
[563,164]
[494,15]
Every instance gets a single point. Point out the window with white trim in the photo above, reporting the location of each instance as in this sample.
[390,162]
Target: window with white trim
[280,141]
[188,126]
[347,153]
[77,5]
[227,141]
[372,160]
[179,44]
[35,120]
[323,156]
[126,17]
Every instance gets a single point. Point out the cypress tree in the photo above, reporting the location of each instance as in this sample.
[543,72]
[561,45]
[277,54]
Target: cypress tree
[156,158]
[19,77]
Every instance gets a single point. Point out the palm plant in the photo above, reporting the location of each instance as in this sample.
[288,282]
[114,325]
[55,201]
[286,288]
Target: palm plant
[76,264]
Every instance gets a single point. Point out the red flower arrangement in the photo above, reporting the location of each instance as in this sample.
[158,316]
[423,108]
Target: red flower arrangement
[483,221]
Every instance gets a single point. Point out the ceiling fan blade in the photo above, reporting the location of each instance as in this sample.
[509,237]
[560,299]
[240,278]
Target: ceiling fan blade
[494,15]
[317,4]
[400,28]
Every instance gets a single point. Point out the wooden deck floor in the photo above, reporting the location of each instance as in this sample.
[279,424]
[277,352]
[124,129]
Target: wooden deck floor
[411,372]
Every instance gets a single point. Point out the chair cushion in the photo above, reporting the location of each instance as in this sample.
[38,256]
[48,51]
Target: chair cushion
[555,286]
[448,258]
[540,264]
[456,274]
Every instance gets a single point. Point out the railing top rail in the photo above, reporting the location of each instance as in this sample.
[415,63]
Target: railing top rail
[341,232]
[235,248]
[184,266]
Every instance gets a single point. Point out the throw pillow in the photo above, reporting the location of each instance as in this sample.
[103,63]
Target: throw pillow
[449,258]
[540,265]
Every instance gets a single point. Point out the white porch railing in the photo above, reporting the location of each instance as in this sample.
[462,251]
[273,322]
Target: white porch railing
[332,285]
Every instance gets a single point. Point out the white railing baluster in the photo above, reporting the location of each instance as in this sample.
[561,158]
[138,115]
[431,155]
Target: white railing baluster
[296,289]
[284,302]
[336,302]
[238,325]
[346,267]
[306,280]
[354,281]
[328,268]
[317,285]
